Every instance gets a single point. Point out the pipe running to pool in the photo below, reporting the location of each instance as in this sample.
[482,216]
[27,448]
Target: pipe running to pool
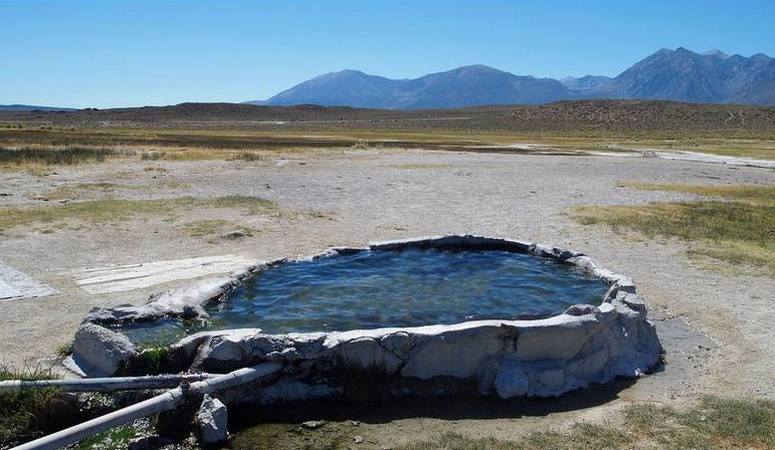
[106,384]
[155,405]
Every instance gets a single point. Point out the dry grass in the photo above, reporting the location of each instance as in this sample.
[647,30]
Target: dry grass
[714,424]
[40,156]
[211,230]
[737,228]
[717,423]
[75,190]
[114,210]
[99,190]
[215,141]
[580,436]
[54,156]
[216,153]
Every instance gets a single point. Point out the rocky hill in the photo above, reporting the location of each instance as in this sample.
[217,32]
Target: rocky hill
[679,75]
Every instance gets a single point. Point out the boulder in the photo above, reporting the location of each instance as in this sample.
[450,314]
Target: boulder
[212,419]
[101,352]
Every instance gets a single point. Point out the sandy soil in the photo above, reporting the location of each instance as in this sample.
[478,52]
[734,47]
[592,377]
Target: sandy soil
[361,196]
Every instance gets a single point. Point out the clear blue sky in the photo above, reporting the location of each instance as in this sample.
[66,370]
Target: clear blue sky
[107,53]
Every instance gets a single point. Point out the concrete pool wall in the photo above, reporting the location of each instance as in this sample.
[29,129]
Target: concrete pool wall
[508,358]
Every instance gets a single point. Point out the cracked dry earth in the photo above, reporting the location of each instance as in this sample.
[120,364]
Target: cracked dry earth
[715,324]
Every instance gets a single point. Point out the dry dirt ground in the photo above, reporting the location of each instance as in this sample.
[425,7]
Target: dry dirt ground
[716,325]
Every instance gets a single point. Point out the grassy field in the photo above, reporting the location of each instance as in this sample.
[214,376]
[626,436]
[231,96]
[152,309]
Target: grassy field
[50,146]
[712,423]
[40,157]
[731,223]
[113,210]
[716,423]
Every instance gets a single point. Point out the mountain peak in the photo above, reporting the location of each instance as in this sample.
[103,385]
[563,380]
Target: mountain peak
[478,68]
[342,73]
[682,51]
[716,52]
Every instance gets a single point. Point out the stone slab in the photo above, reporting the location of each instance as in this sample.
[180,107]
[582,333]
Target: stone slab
[17,285]
[100,280]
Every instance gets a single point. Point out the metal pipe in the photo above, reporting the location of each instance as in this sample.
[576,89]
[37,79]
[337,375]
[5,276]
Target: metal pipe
[164,402]
[235,378]
[106,384]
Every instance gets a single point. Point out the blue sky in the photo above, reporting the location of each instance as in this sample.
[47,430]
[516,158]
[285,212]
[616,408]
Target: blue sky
[106,53]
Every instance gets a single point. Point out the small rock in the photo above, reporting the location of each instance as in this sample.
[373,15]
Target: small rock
[212,418]
[358,439]
[235,234]
[355,423]
[580,310]
[313,424]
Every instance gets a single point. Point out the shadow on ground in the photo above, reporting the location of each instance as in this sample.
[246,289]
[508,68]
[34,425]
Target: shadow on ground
[446,408]
[340,424]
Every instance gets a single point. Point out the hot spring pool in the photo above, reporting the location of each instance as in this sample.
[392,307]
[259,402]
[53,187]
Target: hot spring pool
[391,288]
[444,315]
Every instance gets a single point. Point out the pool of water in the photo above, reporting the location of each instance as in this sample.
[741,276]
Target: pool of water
[385,288]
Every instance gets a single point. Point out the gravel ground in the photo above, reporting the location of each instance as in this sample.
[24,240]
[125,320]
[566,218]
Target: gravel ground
[360,196]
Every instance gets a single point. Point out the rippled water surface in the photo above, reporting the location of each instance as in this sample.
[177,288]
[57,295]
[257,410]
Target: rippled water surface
[373,289]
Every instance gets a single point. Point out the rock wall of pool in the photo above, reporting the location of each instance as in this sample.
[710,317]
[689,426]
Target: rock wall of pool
[591,327]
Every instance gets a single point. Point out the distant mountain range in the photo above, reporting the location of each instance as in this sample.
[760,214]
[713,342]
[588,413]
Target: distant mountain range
[24,108]
[680,75]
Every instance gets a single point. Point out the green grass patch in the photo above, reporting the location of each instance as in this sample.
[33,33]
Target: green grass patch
[737,228]
[715,423]
[113,210]
[116,439]
[153,360]
[24,414]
